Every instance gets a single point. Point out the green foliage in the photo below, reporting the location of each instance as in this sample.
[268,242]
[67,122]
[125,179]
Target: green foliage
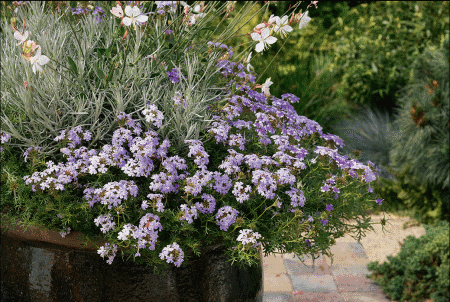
[424,121]
[375,44]
[421,269]
[426,203]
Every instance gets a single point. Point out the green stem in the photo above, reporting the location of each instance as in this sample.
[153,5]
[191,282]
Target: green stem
[274,204]
[76,38]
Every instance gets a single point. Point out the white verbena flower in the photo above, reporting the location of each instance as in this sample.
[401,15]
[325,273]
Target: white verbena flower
[134,16]
[38,60]
[304,20]
[264,39]
[282,26]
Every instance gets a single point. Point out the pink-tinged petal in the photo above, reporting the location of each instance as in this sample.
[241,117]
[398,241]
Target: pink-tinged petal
[128,11]
[141,18]
[259,47]
[255,36]
[126,21]
[270,40]
[117,11]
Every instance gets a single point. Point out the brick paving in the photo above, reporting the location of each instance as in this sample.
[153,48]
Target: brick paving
[287,279]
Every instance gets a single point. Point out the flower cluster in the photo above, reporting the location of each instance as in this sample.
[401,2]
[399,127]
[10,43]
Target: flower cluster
[262,33]
[247,236]
[172,254]
[256,167]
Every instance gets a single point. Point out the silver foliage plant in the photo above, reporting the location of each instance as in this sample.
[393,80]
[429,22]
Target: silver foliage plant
[75,89]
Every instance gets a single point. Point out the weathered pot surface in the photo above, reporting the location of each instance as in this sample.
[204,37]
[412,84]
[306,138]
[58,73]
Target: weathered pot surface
[36,269]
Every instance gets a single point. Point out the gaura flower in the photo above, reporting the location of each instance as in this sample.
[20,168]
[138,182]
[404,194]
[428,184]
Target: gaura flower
[265,87]
[282,25]
[117,11]
[134,16]
[304,20]
[28,47]
[264,39]
[38,60]
[247,61]
[20,37]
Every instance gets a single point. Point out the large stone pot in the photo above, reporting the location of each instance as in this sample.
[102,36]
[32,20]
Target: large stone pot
[39,265]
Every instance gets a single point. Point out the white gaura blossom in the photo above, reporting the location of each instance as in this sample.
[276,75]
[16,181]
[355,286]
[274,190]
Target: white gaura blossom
[117,11]
[247,61]
[265,87]
[38,60]
[133,16]
[304,20]
[20,37]
[264,39]
[282,26]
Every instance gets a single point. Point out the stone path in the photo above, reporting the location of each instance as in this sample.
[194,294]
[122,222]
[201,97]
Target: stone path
[287,279]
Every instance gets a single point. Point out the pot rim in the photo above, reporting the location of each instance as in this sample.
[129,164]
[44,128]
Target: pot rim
[41,234]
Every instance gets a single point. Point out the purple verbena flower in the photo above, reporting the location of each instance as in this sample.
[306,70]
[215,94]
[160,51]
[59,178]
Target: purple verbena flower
[172,254]
[108,251]
[225,217]
[208,205]
[247,236]
[189,213]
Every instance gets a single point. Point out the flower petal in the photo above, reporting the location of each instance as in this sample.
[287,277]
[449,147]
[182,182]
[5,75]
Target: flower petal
[259,47]
[265,33]
[43,60]
[126,21]
[135,11]
[141,18]
[256,36]
[128,11]
[270,40]
[287,28]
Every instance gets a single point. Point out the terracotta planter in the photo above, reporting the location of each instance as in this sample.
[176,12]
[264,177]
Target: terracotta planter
[39,265]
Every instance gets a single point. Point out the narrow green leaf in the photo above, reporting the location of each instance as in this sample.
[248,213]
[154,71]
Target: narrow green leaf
[99,72]
[72,65]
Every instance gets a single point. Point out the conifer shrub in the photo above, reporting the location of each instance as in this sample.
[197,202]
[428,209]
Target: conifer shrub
[421,269]
[421,155]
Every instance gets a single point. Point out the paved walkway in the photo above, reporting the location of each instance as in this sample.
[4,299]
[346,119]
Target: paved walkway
[287,279]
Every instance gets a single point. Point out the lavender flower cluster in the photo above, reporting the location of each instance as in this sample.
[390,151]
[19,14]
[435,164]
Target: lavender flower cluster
[266,156]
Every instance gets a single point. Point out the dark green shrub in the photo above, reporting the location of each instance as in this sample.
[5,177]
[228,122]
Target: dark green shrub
[421,269]
[376,44]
